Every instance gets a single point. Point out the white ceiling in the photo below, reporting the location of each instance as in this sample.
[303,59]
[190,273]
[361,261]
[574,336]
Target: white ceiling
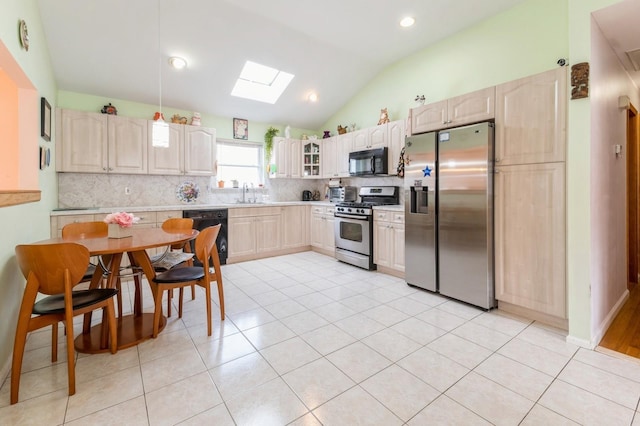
[334,47]
[619,24]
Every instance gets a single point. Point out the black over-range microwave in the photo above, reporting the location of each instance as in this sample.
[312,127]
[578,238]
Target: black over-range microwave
[368,163]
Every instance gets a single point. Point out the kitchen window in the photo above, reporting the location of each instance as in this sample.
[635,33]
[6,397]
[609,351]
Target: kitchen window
[241,161]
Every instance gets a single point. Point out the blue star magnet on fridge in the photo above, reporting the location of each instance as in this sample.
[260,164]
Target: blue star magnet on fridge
[427,171]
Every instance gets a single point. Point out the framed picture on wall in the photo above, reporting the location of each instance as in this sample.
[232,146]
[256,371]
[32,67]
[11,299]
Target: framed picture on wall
[240,128]
[45,119]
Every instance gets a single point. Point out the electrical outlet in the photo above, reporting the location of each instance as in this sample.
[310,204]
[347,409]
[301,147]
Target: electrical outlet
[127,190]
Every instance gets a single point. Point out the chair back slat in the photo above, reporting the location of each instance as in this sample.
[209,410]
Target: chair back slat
[48,263]
[177,224]
[85,230]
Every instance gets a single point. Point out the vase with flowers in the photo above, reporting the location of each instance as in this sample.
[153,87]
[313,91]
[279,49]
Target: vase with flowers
[120,224]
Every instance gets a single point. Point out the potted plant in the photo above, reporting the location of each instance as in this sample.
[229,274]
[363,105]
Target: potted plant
[268,142]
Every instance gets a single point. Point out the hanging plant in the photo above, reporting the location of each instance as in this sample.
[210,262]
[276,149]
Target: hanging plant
[268,142]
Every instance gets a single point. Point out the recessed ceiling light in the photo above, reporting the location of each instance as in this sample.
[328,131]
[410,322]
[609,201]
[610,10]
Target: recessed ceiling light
[313,97]
[261,83]
[177,63]
[407,21]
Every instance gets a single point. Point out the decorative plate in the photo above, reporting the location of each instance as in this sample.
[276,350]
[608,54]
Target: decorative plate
[187,192]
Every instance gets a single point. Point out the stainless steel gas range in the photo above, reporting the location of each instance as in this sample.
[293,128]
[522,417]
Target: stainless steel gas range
[354,225]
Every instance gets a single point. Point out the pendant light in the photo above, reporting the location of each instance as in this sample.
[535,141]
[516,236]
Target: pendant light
[160,129]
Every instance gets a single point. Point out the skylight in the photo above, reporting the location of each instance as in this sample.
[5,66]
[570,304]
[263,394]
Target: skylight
[261,83]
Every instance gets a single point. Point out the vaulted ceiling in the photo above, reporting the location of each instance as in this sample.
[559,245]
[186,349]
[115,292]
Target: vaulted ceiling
[120,48]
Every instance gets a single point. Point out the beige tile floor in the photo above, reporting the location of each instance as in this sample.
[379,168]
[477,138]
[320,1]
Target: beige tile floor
[310,341]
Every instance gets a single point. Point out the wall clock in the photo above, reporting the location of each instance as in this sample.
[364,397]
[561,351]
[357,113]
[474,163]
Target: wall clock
[24,35]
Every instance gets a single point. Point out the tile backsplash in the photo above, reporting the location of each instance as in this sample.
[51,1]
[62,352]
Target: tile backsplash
[112,190]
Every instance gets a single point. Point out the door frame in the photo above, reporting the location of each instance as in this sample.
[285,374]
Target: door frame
[633,197]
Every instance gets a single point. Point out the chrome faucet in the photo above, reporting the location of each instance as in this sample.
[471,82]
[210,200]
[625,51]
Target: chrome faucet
[245,188]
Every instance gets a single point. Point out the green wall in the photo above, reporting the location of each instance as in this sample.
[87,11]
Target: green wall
[524,40]
[27,222]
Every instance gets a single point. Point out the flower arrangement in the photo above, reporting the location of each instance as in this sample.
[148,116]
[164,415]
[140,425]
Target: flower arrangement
[125,220]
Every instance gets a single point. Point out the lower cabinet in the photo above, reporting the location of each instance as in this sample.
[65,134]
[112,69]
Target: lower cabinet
[530,248]
[323,229]
[295,229]
[388,240]
[254,230]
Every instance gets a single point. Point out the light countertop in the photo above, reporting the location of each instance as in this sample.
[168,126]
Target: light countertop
[107,210]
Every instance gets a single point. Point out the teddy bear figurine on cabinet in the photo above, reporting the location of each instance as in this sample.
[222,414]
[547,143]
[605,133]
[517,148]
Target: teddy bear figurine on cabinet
[384,116]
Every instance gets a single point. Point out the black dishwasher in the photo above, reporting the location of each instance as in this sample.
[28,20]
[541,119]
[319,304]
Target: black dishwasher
[205,218]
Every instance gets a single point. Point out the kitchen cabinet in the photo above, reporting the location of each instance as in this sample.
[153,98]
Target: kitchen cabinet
[322,229]
[254,230]
[396,132]
[464,109]
[530,234]
[295,226]
[200,151]
[311,159]
[531,119]
[370,138]
[288,158]
[335,155]
[99,143]
[388,241]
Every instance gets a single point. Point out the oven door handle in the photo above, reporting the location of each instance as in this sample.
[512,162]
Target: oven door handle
[351,216]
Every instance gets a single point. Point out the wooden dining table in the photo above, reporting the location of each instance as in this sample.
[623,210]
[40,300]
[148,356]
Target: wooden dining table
[138,326]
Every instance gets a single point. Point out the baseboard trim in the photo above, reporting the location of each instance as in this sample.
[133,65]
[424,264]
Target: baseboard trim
[389,271]
[606,322]
[583,343]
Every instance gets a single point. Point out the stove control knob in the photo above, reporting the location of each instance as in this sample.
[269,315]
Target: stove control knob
[349,210]
[361,211]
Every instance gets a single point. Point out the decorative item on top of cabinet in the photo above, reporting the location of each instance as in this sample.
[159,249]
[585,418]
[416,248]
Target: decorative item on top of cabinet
[177,119]
[327,134]
[384,116]
[195,120]
[341,130]
[580,80]
[109,109]
[420,99]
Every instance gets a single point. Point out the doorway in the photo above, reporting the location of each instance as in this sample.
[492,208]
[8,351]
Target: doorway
[633,195]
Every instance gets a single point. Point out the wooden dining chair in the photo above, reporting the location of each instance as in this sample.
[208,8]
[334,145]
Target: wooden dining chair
[206,251]
[175,255]
[98,229]
[53,270]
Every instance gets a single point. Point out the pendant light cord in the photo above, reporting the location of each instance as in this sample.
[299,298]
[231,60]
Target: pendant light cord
[159,65]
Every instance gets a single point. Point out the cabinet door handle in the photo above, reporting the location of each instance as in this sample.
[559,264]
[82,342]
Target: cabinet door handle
[498,160]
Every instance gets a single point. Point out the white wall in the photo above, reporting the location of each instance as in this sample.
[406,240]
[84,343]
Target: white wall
[608,265]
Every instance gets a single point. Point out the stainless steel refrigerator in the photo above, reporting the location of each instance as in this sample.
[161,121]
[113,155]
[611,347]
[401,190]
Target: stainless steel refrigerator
[449,213]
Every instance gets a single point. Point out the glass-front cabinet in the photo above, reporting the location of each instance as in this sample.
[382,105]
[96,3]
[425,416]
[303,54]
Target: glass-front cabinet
[311,159]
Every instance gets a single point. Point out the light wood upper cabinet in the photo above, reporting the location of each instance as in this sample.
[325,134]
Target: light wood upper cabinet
[82,142]
[530,228]
[329,156]
[287,157]
[169,160]
[344,146]
[128,138]
[199,151]
[191,151]
[100,143]
[464,109]
[395,135]
[370,138]
[531,119]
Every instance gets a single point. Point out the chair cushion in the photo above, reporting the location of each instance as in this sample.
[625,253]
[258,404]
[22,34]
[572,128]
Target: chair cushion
[180,275]
[91,269]
[166,261]
[81,299]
